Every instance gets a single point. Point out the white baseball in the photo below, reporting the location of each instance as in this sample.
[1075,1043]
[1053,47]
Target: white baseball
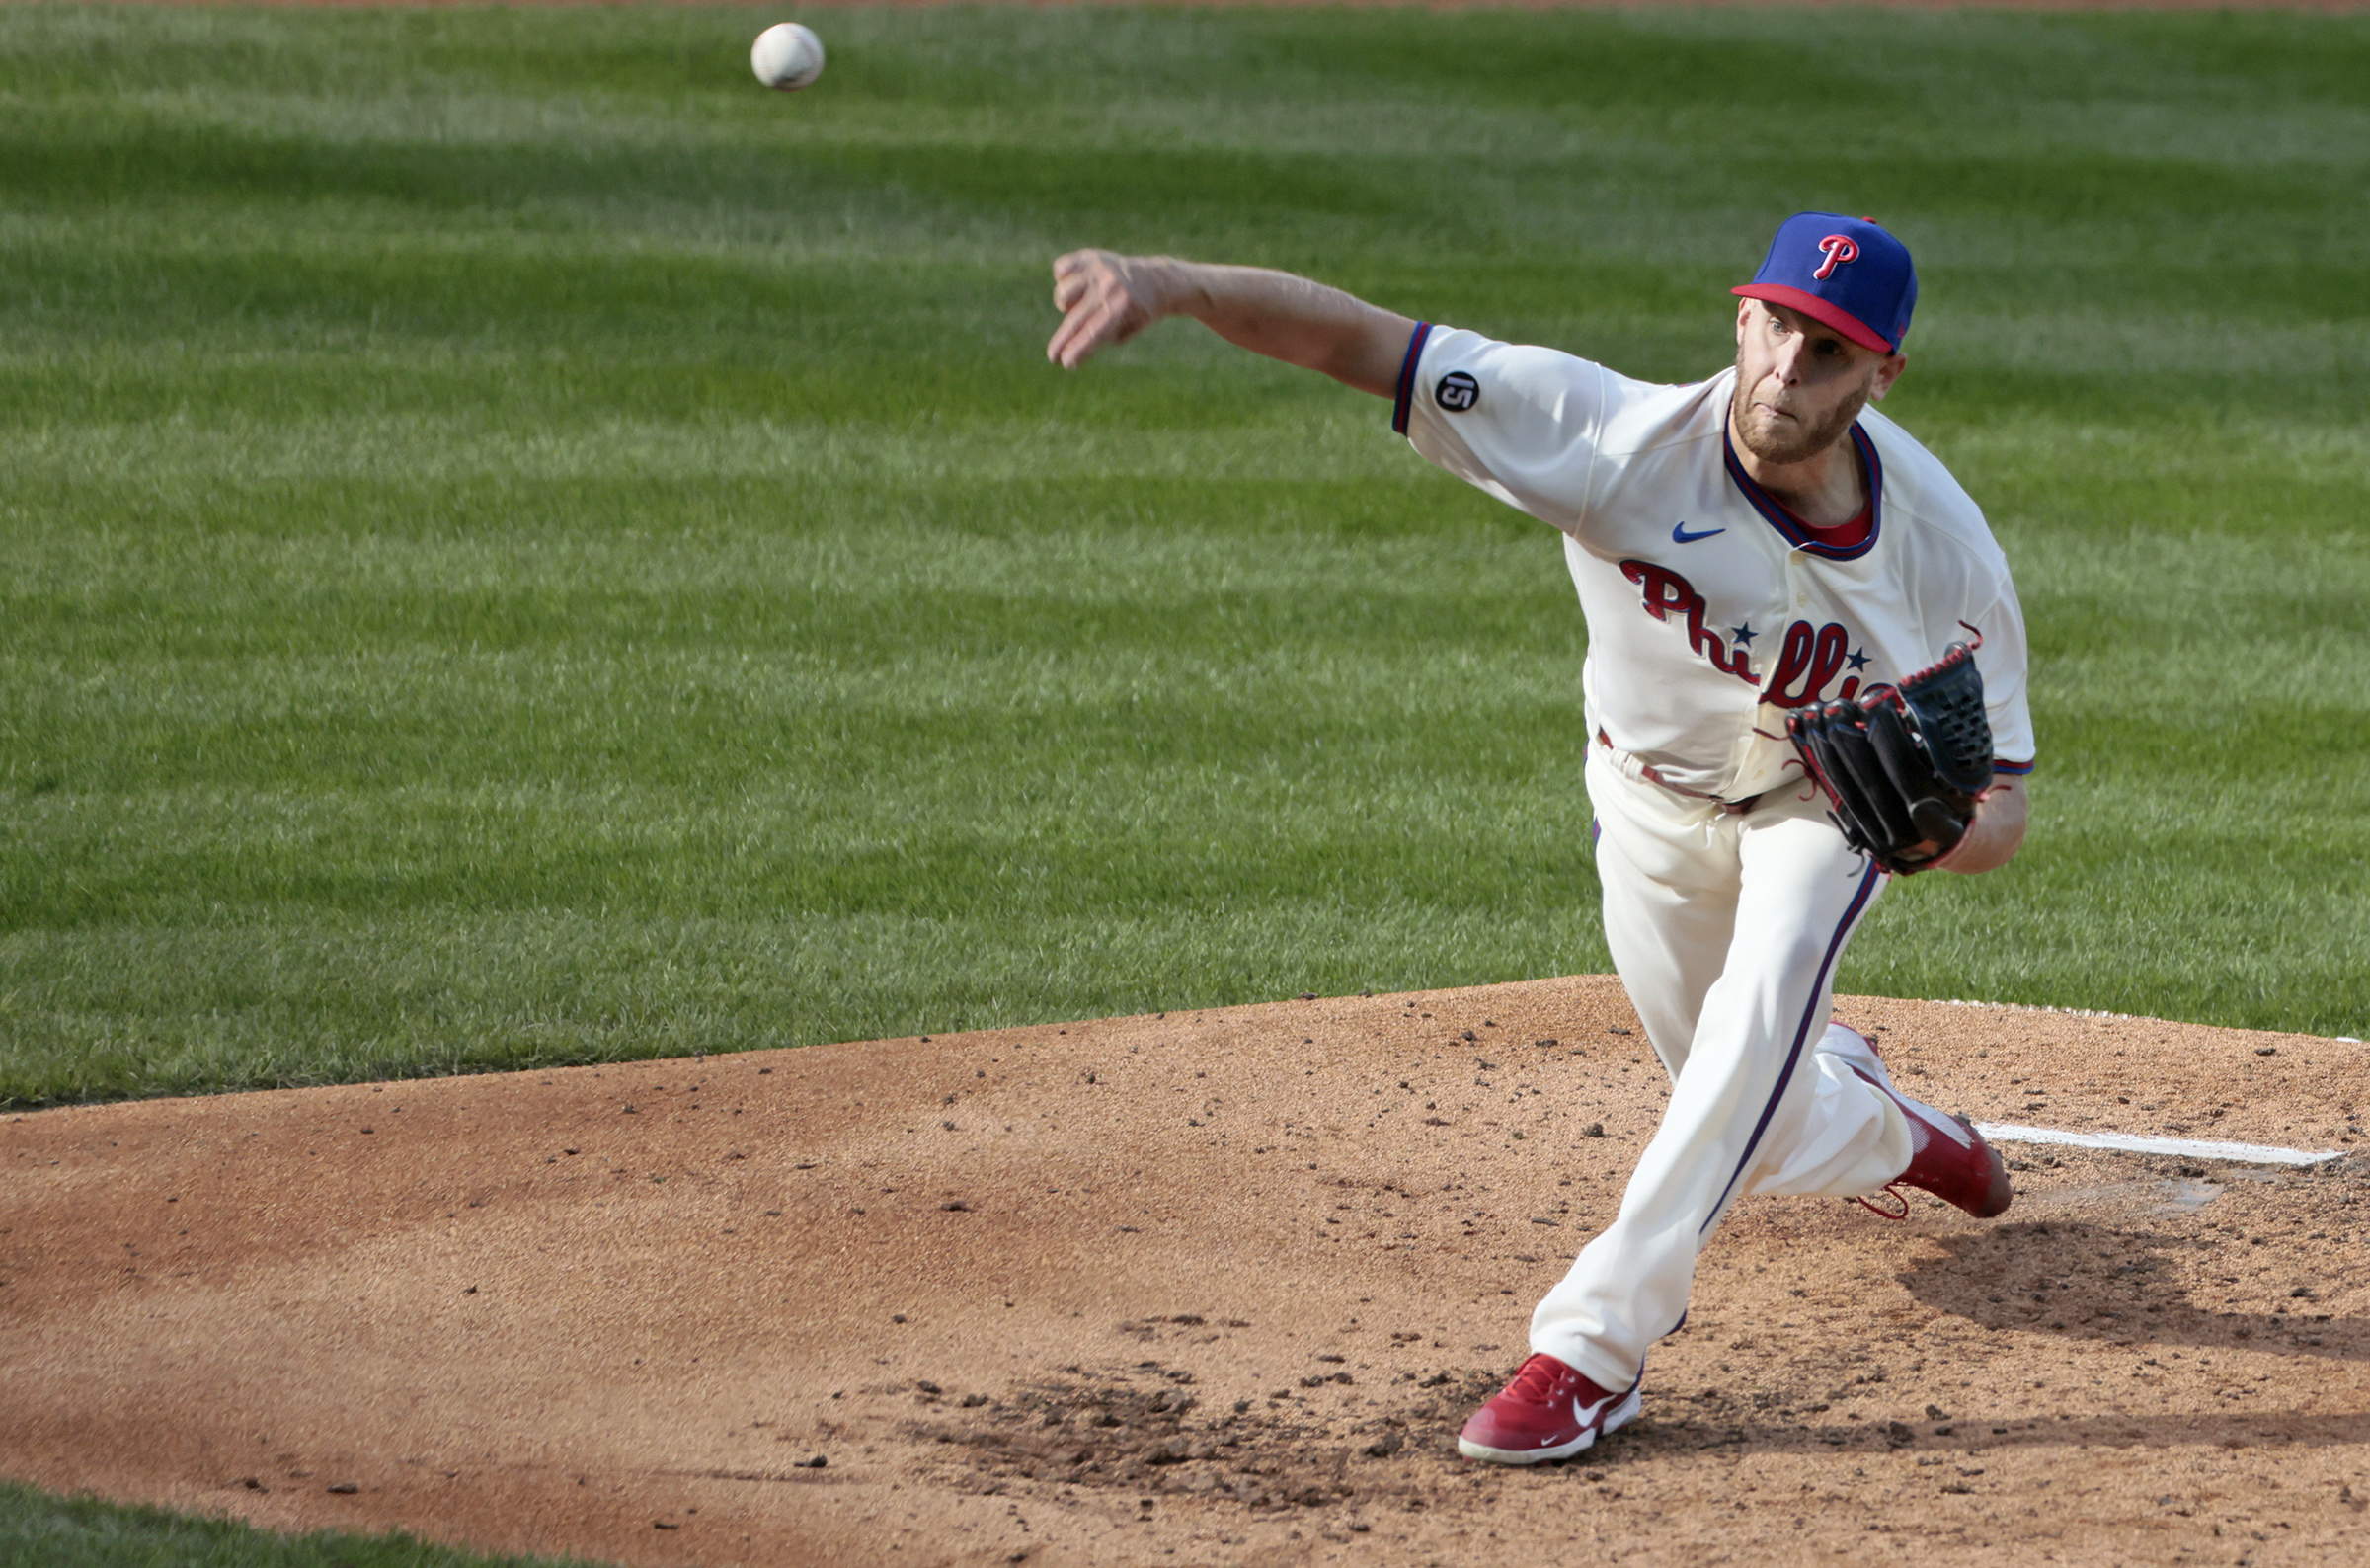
[787,55]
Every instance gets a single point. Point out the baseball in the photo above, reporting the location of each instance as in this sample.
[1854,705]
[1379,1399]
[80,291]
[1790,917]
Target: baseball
[787,55]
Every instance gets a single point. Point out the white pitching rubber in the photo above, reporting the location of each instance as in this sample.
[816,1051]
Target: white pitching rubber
[2185,1147]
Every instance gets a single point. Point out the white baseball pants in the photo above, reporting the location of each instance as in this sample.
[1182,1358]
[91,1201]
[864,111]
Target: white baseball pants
[1727,928]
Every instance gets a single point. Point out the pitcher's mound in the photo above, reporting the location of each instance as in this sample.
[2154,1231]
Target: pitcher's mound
[1213,1286]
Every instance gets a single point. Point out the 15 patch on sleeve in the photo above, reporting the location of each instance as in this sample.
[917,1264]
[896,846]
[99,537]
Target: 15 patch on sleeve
[1458,392]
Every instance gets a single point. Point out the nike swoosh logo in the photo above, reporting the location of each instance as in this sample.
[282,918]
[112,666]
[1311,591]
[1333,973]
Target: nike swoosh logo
[1680,535]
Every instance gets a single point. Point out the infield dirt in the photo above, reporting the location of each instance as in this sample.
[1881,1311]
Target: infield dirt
[1203,1288]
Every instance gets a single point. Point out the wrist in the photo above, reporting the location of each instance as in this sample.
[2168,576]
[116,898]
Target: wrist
[1174,287]
[1995,832]
[1980,848]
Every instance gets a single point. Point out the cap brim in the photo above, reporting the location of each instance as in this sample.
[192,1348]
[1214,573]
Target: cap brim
[1820,310]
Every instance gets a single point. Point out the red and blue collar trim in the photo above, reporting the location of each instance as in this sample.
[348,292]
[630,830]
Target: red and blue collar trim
[1407,367]
[1792,528]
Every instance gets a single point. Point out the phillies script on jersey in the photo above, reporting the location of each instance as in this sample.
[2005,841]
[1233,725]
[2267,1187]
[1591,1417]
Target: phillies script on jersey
[1711,608]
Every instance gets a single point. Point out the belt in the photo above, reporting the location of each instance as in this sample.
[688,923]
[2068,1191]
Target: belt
[1648,772]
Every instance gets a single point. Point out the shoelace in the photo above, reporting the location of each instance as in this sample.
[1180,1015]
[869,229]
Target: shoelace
[1893,1190]
[1536,1383]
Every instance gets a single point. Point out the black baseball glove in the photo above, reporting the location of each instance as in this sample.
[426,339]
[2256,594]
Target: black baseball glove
[1903,765]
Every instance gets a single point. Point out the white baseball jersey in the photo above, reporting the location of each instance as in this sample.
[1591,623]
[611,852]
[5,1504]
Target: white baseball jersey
[1713,611]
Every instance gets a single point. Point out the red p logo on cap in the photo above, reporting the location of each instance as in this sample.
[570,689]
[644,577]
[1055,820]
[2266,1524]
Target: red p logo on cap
[1846,273]
[1838,249]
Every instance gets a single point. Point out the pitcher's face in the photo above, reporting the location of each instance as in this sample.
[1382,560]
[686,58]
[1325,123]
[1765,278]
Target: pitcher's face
[1800,383]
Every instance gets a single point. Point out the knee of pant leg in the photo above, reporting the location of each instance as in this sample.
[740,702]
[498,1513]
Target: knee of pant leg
[1799,942]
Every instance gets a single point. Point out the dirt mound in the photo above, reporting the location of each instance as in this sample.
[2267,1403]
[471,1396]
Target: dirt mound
[1205,1288]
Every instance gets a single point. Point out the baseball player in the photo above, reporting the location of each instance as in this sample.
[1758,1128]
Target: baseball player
[1806,676]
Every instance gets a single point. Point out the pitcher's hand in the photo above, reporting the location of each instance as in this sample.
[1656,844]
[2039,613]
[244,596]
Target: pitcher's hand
[1104,297]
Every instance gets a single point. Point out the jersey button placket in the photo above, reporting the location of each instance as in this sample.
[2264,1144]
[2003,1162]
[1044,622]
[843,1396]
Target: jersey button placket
[1790,599]
[1770,613]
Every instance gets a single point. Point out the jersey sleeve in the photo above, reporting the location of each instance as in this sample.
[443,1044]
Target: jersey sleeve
[1520,423]
[2002,660]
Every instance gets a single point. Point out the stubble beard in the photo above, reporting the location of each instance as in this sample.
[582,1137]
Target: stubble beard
[1791,441]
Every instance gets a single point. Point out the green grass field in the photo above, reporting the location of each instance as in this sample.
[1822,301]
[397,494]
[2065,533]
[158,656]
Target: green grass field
[518,546]
[37,1531]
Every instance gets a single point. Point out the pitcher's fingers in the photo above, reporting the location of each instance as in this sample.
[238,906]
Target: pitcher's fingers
[1075,273]
[1075,341]
[1071,341]
[1061,337]
[1097,325]
[1068,291]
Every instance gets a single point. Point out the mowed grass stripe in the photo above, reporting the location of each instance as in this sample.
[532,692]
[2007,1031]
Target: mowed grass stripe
[37,1531]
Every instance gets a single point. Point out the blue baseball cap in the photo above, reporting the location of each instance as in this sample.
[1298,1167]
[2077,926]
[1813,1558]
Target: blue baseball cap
[1845,271]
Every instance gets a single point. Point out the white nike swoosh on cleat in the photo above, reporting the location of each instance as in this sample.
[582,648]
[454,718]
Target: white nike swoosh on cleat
[1946,1124]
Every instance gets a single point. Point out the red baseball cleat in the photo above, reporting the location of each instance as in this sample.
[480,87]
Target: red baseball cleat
[1548,1412]
[1948,1158]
